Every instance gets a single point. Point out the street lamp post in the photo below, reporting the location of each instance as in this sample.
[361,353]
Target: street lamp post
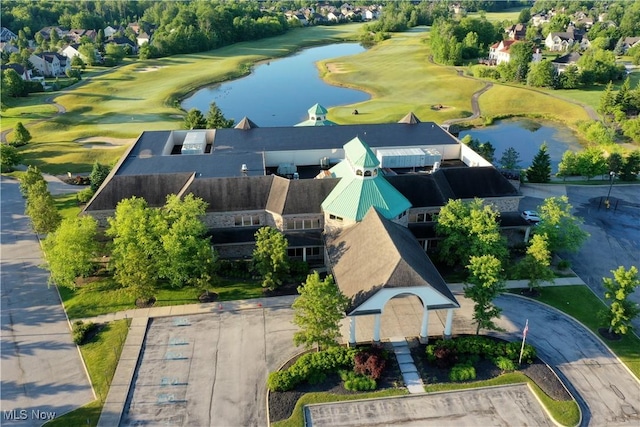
[612,176]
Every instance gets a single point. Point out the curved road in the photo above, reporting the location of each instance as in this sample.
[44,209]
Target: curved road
[605,389]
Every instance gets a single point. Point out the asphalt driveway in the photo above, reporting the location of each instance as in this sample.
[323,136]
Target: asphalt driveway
[42,373]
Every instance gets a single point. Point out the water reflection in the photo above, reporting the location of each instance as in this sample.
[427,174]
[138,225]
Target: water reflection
[526,136]
[279,92]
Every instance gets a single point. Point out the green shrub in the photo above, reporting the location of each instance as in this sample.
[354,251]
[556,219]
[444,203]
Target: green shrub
[281,381]
[504,364]
[80,331]
[312,368]
[85,195]
[464,372]
[564,264]
[357,382]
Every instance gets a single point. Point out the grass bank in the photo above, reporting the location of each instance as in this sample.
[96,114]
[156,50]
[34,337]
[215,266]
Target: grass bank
[105,296]
[581,303]
[101,357]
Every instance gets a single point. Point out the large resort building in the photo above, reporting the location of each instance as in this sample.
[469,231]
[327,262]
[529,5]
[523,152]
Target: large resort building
[357,199]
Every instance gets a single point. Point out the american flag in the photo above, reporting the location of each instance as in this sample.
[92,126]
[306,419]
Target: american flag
[526,329]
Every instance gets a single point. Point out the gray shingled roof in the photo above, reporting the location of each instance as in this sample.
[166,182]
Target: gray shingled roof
[232,194]
[377,253]
[154,188]
[467,183]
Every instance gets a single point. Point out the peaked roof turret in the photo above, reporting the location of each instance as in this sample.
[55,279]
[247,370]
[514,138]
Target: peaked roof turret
[410,119]
[317,110]
[317,117]
[245,124]
[359,154]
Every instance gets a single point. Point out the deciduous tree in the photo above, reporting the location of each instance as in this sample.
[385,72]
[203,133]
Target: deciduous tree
[41,208]
[318,312]
[136,248]
[484,284]
[468,229]
[9,157]
[270,256]
[621,311]
[188,257]
[70,251]
[536,265]
[29,178]
[561,227]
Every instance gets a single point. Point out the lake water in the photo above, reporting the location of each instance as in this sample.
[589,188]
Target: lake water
[526,136]
[279,92]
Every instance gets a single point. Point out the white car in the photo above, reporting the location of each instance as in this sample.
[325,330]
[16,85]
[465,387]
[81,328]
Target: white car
[531,216]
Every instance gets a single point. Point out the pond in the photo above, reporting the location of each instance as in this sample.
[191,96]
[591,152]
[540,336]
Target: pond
[279,92]
[526,136]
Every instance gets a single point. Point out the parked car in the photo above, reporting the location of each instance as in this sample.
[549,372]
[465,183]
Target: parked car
[530,216]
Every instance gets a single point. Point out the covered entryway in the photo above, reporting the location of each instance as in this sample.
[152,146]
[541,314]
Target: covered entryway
[377,262]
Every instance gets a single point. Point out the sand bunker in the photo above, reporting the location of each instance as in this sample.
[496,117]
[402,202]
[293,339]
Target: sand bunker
[333,67]
[148,69]
[105,142]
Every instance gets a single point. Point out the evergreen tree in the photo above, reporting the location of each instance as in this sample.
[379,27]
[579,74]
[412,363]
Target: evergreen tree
[98,174]
[631,166]
[607,100]
[21,135]
[194,120]
[215,119]
[30,178]
[615,162]
[12,84]
[540,169]
[510,159]
[318,312]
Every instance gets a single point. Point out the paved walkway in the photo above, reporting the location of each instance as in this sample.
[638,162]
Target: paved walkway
[41,367]
[410,374]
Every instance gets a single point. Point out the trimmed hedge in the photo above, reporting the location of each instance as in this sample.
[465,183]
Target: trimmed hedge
[312,367]
[357,382]
[445,353]
[462,372]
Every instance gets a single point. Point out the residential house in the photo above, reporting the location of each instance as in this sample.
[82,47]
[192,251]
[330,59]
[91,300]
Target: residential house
[143,38]
[297,16]
[359,199]
[76,35]
[124,42]
[561,41]
[516,32]
[370,13]
[50,64]
[23,72]
[540,19]
[6,35]
[71,51]
[110,31]
[499,52]
[561,63]
[630,42]
[336,16]
[46,32]
[8,48]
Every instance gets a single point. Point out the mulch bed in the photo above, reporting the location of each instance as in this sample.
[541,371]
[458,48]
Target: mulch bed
[282,290]
[611,336]
[208,297]
[282,404]
[142,303]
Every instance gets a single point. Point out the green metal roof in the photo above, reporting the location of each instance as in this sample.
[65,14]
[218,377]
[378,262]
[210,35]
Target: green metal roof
[354,196]
[359,154]
[342,169]
[317,110]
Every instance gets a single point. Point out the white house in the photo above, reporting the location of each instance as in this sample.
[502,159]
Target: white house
[50,64]
[71,51]
[499,52]
[561,41]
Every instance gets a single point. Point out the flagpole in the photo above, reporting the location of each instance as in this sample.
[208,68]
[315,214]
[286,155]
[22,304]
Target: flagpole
[524,337]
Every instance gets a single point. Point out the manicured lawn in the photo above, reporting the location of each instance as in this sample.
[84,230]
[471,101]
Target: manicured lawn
[297,420]
[105,296]
[101,356]
[580,302]
[143,95]
[67,205]
[567,413]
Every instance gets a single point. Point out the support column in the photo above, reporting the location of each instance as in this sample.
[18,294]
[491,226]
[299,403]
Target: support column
[352,330]
[376,328]
[424,333]
[447,326]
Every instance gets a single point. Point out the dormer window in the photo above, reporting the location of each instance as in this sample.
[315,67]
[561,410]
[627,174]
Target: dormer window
[375,172]
[367,173]
[359,172]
